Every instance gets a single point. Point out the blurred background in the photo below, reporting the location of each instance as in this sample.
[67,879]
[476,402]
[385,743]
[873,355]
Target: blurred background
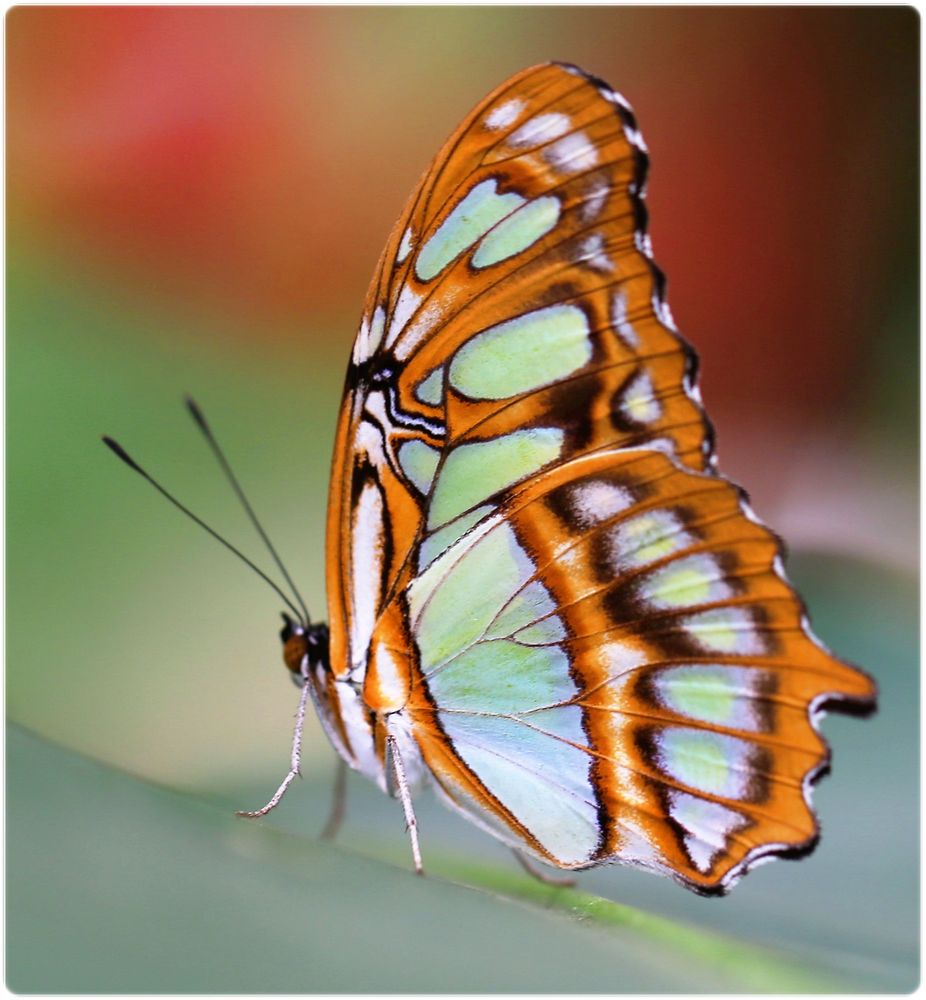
[196,198]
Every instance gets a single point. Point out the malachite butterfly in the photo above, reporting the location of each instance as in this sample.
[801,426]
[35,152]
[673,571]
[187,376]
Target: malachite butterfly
[543,596]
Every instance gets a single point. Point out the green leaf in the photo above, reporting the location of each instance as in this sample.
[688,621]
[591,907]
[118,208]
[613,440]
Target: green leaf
[118,885]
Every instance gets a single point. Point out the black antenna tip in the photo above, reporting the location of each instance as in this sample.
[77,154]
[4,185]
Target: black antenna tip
[117,448]
[196,413]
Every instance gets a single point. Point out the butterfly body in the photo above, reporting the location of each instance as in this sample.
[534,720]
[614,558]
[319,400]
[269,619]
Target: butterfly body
[542,595]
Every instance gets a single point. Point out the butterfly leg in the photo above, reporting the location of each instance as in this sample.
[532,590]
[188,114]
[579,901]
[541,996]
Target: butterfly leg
[394,763]
[561,882]
[338,799]
[294,762]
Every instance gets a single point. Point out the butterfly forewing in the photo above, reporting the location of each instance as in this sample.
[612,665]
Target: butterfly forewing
[532,562]
[527,231]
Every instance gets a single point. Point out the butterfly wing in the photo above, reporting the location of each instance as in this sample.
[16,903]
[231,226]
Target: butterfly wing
[612,667]
[528,228]
[532,561]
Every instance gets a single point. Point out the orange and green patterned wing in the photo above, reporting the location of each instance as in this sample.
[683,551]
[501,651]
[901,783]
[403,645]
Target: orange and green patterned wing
[532,560]
[529,230]
[611,666]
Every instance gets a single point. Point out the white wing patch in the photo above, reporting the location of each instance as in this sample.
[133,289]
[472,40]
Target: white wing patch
[595,200]
[366,553]
[369,336]
[592,253]
[594,501]
[543,128]
[405,307]
[571,154]
[406,246]
[621,324]
[506,114]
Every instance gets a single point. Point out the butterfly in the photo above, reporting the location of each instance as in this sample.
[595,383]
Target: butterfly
[544,599]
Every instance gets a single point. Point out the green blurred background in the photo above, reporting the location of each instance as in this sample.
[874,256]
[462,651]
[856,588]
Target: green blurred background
[196,198]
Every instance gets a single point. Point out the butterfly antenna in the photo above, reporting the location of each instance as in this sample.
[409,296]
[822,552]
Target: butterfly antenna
[120,452]
[201,422]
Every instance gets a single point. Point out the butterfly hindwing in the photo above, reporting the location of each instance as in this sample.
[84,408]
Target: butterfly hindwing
[616,659]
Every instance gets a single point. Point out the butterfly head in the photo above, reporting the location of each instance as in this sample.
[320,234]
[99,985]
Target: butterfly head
[304,648]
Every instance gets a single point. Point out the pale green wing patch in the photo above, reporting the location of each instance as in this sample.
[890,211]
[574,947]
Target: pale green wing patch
[696,579]
[503,677]
[522,354]
[542,779]
[505,703]
[471,219]
[520,230]
[529,604]
[456,599]
[720,695]
[473,472]
[431,389]
[441,540]
[709,762]
[419,463]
